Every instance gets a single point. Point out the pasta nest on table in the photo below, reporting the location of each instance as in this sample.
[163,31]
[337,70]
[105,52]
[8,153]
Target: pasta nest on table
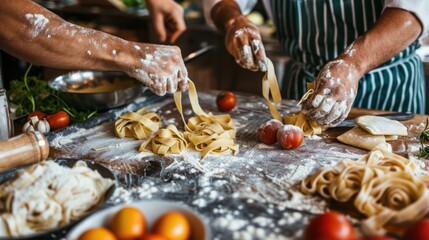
[382,185]
[206,133]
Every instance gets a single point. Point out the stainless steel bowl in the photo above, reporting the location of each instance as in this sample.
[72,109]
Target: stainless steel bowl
[81,90]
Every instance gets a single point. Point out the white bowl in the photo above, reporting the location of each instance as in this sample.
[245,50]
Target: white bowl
[152,210]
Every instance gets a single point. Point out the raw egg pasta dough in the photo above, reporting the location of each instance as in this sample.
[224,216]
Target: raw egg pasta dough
[47,196]
[167,140]
[382,185]
[206,133]
[270,86]
[139,125]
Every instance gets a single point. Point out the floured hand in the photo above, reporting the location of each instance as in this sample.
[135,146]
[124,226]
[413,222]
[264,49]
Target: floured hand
[159,67]
[243,41]
[336,87]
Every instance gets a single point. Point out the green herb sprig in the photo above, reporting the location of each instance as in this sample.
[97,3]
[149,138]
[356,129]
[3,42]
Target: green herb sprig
[33,93]
[423,138]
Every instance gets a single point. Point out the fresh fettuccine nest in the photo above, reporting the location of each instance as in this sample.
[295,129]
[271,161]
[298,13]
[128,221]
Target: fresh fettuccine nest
[206,133]
[139,125]
[382,185]
[47,195]
[270,87]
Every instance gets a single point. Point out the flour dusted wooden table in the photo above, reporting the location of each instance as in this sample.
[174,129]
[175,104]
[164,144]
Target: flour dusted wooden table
[252,195]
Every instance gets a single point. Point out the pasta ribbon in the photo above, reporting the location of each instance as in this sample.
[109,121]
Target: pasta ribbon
[167,140]
[207,133]
[270,86]
[381,185]
[139,125]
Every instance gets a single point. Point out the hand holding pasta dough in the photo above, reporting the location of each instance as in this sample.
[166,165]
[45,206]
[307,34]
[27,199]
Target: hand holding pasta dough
[159,67]
[336,87]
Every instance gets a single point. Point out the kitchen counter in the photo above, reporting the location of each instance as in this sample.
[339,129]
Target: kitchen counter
[252,195]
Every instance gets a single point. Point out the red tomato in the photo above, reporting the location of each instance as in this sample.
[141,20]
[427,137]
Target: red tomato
[152,236]
[329,226]
[38,114]
[226,101]
[290,136]
[58,120]
[419,231]
[376,238]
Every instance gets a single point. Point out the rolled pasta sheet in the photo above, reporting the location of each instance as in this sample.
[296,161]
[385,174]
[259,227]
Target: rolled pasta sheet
[139,125]
[56,196]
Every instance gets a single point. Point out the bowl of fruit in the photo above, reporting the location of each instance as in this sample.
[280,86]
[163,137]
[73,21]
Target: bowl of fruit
[145,220]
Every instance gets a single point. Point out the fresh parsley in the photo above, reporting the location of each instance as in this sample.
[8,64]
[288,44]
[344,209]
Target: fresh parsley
[32,93]
[423,138]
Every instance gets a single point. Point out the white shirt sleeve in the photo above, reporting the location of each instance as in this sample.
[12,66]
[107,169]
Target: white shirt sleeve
[420,8]
[245,5]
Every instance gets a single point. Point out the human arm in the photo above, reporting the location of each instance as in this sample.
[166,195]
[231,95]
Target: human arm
[242,38]
[34,34]
[337,83]
[167,19]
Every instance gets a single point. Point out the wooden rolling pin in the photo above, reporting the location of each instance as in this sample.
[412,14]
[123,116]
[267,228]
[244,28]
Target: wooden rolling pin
[24,149]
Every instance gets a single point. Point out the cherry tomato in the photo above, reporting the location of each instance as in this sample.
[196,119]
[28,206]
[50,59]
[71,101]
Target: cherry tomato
[418,231]
[152,236]
[38,114]
[226,101]
[290,136]
[58,120]
[99,233]
[173,226]
[329,226]
[128,223]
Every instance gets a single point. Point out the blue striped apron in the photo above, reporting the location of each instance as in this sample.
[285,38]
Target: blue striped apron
[314,32]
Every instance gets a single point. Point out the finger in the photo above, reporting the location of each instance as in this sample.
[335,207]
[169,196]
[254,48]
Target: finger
[159,27]
[343,116]
[313,106]
[324,108]
[162,86]
[183,85]
[334,114]
[177,27]
[171,85]
[259,53]
[183,80]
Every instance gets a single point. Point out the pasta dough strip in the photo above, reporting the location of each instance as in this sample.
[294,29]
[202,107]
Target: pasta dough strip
[270,86]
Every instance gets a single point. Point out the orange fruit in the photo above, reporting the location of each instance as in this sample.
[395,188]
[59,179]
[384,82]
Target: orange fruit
[173,226]
[151,236]
[98,233]
[128,223]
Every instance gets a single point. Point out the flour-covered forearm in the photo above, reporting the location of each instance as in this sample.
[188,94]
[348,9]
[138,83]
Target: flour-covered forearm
[34,34]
